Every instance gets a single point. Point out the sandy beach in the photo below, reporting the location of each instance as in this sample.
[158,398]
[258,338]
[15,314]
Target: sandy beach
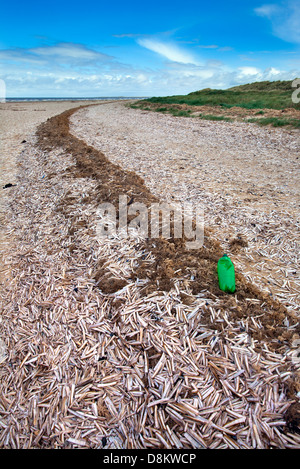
[125,342]
[18,120]
[244,177]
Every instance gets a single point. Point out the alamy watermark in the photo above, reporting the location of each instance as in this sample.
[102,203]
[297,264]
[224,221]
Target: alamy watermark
[296,93]
[2,91]
[160,219]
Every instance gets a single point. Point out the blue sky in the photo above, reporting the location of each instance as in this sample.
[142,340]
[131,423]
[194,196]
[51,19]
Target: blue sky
[96,48]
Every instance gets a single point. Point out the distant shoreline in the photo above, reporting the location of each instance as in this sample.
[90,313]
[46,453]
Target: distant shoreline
[105,98]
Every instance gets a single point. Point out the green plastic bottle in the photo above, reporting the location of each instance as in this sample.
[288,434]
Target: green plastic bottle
[226,274]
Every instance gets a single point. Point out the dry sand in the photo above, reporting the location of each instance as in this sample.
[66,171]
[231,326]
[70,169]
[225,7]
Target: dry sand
[18,120]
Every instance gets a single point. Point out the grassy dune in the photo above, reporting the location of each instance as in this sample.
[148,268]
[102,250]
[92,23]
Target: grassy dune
[258,96]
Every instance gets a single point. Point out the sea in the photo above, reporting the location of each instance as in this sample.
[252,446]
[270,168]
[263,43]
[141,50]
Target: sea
[106,98]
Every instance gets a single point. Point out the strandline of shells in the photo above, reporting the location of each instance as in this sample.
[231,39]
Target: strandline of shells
[245,178]
[83,369]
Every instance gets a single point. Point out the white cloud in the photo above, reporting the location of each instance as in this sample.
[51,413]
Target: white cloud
[284,18]
[267,10]
[170,51]
[61,54]
[214,46]
[248,71]
[274,72]
[67,70]
[176,79]
[68,50]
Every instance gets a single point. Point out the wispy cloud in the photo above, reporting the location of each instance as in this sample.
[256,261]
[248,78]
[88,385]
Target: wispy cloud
[69,50]
[210,46]
[168,50]
[268,10]
[61,54]
[214,46]
[225,49]
[285,19]
[126,35]
[69,69]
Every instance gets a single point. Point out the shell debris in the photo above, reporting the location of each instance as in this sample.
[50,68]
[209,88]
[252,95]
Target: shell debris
[84,368]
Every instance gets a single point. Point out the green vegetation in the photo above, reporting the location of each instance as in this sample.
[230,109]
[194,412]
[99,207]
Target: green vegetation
[211,117]
[179,112]
[259,95]
[276,122]
[264,86]
[185,113]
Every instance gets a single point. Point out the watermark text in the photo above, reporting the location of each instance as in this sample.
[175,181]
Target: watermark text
[160,219]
